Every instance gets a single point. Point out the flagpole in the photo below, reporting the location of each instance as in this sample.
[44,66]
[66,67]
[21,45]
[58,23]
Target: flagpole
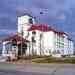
[41,36]
[21,41]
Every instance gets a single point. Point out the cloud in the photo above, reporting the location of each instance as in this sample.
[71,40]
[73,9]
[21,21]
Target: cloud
[58,12]
[35,6]
[6,31]
[8,14]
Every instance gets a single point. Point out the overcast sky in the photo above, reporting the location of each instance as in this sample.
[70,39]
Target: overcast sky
[59,13]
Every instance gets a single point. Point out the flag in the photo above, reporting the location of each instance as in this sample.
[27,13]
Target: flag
[41,12]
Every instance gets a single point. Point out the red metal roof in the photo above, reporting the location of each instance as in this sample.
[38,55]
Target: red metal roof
[40,27]
[16,37]
[45,28]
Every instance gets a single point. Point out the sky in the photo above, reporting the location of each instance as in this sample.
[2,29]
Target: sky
[57,13]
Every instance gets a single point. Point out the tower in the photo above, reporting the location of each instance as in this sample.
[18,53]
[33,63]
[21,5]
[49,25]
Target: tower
[24,23]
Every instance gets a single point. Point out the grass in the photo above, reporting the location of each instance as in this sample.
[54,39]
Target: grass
[46,59]
[54,60]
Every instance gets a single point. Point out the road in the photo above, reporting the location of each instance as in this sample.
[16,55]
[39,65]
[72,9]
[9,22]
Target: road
[37,69]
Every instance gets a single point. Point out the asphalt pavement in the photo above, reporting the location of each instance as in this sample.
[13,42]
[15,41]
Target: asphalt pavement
[37,69]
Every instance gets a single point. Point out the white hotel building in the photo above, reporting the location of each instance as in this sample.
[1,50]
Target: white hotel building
[41,40]
[44,40]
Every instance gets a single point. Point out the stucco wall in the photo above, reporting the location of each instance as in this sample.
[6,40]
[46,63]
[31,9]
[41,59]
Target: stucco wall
[24,25]
[48,42]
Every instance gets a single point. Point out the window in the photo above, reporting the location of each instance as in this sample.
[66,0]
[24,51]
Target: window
[58,52]
[31,21]
[33,40]
[1,48]
[14,42]
[34,32]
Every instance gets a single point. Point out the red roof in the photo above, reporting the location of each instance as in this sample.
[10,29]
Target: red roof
[40,27]
[44,28]
[16,37]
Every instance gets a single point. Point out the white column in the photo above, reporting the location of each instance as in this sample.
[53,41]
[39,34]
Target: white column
[4,48]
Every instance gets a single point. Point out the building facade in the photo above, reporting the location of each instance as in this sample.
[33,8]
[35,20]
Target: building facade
[44,40]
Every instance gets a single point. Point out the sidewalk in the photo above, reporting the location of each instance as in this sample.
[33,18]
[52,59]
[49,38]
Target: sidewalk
[20,62]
